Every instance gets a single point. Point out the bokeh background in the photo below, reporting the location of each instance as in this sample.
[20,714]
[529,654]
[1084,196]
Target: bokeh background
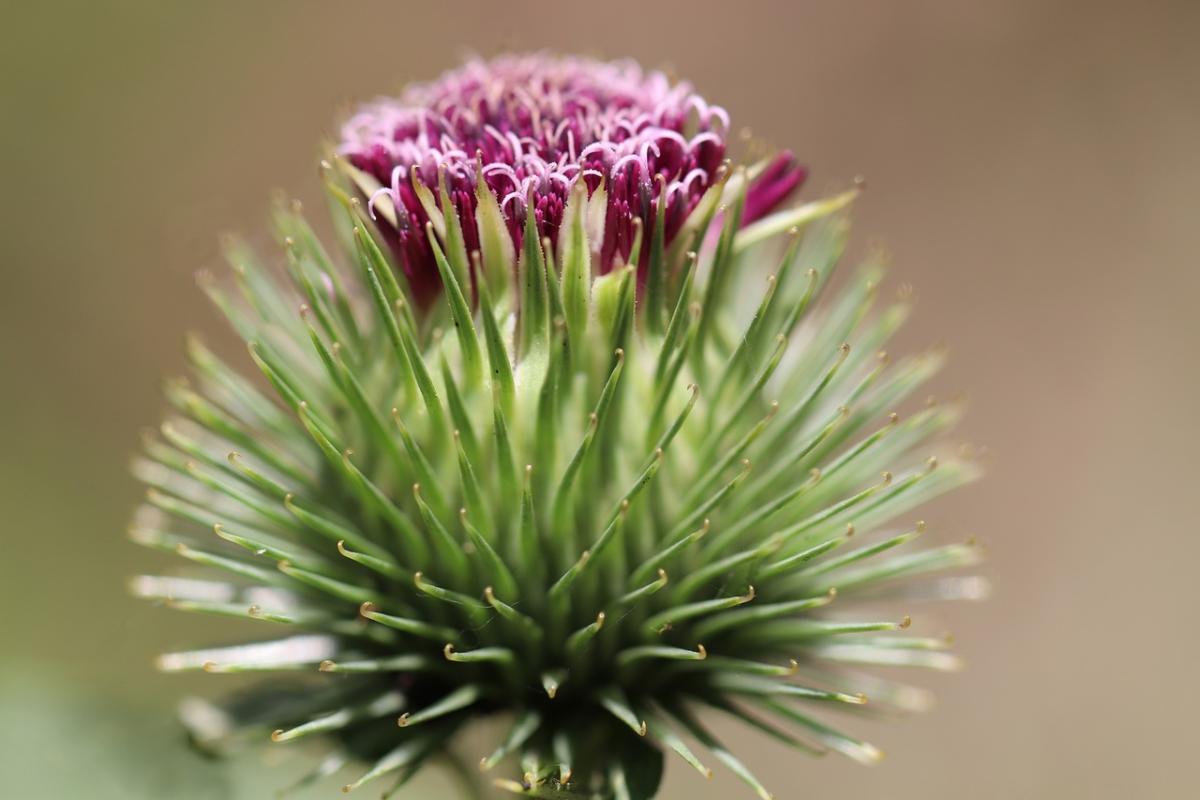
[1032,165]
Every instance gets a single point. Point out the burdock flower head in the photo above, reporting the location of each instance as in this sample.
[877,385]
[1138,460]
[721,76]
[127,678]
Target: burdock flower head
[564,431]
[528,128]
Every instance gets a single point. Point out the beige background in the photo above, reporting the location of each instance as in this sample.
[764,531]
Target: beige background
[1032,165]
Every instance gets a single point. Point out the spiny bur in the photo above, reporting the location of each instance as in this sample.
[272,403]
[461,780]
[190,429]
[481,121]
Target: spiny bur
[567,427]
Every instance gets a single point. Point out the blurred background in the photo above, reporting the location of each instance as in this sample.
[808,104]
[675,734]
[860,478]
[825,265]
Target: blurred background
[1032,166]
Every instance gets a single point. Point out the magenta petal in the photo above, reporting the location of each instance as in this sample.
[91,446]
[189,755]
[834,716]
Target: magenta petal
[781,177]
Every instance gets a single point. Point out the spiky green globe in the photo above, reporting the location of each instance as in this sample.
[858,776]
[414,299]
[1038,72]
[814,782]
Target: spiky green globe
[594,498]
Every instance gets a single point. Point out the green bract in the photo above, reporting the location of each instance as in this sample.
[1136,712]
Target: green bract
[594,507]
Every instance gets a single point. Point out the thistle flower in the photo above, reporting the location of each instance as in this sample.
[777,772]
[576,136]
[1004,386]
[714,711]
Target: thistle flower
[518,451]
[528,128]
